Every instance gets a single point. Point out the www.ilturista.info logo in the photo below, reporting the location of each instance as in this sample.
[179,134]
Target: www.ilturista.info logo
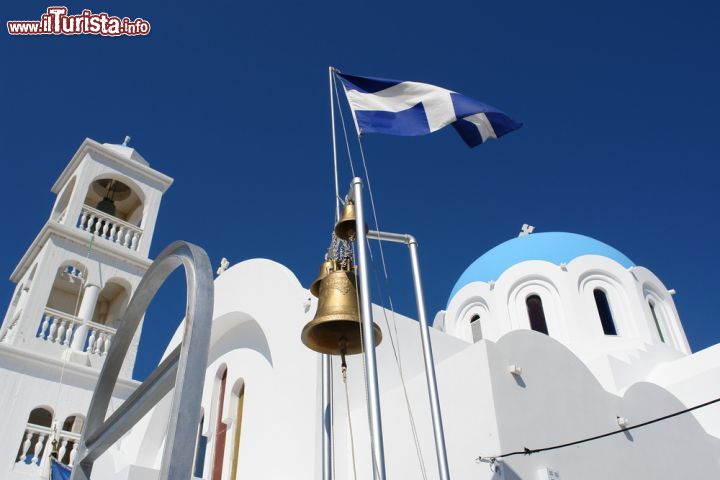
[56,21]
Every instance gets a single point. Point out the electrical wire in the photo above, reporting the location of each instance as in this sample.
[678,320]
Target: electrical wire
[530,451]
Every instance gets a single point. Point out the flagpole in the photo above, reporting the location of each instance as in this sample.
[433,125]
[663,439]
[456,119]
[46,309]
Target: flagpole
[368,335]
[326,412]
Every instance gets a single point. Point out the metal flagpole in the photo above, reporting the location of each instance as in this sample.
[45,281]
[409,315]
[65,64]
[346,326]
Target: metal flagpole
[368,335]
[326,413]
[440,449]
[326,416]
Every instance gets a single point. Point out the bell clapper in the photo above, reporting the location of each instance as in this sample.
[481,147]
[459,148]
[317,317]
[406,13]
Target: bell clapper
[343,363]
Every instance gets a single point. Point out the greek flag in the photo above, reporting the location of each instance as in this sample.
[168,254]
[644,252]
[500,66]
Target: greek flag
[395,107]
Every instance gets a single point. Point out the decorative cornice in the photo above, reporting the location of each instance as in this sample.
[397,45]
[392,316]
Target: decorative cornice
[28,357]
[89,145]
[81,238]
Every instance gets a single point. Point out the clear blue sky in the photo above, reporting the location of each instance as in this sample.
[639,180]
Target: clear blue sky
[619,101]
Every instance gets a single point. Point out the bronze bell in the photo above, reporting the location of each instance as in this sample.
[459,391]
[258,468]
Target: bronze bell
[336,328]
[325,268]
[345,227]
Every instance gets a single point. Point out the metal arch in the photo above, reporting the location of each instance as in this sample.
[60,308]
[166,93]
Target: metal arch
[184,369]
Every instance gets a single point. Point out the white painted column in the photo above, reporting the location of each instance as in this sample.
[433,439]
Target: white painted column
[87,309]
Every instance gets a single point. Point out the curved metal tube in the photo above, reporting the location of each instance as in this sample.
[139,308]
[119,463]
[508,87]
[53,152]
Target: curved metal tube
[438,431]
[184,369]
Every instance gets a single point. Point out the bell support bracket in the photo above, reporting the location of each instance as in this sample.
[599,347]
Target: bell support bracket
[438,432]
[183,369]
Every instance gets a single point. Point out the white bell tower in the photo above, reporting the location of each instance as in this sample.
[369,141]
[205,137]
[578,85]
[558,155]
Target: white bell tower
[73,285]
[75,280]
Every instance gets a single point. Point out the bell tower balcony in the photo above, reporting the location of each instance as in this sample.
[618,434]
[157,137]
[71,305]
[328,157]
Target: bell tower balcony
[110,228]
[64,330]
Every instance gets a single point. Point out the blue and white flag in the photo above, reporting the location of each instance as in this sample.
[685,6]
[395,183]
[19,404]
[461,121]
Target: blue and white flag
[395,107]
[59,471]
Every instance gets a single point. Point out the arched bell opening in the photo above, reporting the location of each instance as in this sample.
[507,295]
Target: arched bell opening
[68,437]
[36,437]
[116,198]
[63,201]
[67,289]
[73,424]
[111,303]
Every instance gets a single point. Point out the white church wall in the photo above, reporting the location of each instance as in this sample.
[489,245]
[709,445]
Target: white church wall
[557,400]
[694,380]
[258,339]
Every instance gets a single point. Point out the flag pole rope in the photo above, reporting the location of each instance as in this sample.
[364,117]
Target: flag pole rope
[331,73]
[342,122]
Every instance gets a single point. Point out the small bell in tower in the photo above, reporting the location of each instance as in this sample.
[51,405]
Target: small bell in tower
[336,328]
[111,191]
[345,227]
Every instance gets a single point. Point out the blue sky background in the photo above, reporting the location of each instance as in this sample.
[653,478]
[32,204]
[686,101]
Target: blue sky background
[619,102]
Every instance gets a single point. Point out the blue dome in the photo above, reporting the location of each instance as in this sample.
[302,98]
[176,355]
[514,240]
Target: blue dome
[554,247]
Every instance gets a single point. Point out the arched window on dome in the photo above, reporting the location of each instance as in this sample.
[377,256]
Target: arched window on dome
[655,319]
[476,328]
[603,307]
[536,314]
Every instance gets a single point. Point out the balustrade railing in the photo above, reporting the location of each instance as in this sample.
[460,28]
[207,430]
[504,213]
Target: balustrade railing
[60,328]
[109,227]
[99,338]
[7,335]
[34,443]
[67,447]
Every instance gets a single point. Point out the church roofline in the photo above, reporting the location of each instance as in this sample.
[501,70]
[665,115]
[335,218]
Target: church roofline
[81,238]
[91,145]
